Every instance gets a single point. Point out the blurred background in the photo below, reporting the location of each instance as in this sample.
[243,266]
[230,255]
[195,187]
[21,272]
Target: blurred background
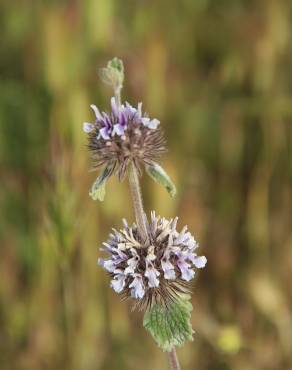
[218,74]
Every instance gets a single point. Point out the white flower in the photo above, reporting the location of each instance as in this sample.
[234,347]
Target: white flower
[132,262]
[118,282]
[200,262]
[151,273]
[137,290]
[168,269]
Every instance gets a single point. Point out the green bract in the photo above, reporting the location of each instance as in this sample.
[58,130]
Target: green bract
[97,191]
[170,325]
[159,175]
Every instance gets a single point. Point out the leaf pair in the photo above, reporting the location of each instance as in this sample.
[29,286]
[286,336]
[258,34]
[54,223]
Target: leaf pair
[155,171]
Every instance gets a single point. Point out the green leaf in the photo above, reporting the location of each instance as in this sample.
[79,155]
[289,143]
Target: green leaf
[113,73]
[97,191]
[170,326]
[159,175]
[116,63]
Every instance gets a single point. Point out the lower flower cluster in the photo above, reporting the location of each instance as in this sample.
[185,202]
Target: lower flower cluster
[156,271]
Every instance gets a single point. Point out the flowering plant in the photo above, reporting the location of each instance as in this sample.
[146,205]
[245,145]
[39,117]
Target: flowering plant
[149,261]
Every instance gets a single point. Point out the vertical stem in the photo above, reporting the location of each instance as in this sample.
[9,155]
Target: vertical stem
[141,220]
[117,91]
[173,360]
[137,202]
[135,186]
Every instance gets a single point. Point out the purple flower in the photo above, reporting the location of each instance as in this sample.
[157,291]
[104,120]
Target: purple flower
[124,135]
[109,125]
[152,272]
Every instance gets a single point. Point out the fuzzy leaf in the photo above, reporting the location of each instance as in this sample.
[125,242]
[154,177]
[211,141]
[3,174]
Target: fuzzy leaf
[97,191]
[158,174]
[113,73]
[170,326]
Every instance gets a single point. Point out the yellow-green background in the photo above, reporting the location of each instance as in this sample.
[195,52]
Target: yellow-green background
[218,75]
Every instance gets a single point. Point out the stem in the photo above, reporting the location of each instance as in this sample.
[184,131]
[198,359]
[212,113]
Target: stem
[117,91]
[137,202]
[173,360]
[135,187]
[141,220]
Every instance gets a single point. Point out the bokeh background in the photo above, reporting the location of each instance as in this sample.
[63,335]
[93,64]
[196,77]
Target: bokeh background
[218,74]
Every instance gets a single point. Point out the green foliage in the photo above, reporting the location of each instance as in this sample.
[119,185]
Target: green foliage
[97,191]
[170,326]
[158,174]
[113,74]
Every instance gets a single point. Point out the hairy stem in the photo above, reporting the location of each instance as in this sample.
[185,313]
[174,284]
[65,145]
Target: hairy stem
[141,220]
[173,360]
[117,91]
[137,202]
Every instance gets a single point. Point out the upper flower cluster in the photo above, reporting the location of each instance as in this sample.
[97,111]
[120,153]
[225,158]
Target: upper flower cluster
[125,134]
[116,122]
[157,271]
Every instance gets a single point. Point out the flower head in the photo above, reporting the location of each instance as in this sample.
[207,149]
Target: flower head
[123,135]
[157,271]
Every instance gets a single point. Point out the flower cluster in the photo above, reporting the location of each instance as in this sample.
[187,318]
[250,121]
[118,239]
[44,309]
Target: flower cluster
[157,271]
[124,135]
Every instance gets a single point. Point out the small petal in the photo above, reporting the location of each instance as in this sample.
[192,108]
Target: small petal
[118,283]
[122,119]
[169,274]
[151,273]
[109,265]
[130,111]
[153,124]
[115,108]
[88,127]
[168,269]
[137,286]
[150,123]
[151,254]
[186,272]
[104,133]
[120,256]
[118,129]
[200,262]
[145,121]
[181,237]
[190,242]
[100,262]
[96,112]
[132,265]
[106,121]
